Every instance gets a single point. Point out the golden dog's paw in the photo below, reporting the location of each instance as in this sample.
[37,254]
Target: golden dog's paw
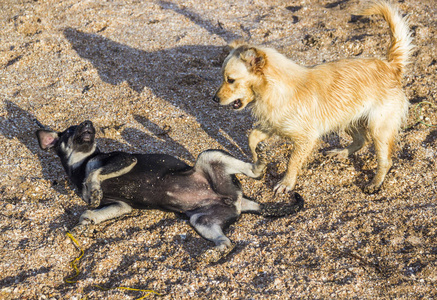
[258,169]
[338,153]
[262,153]
[283,187]
[372,188]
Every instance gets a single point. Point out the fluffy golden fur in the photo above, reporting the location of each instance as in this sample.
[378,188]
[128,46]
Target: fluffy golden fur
[362,96]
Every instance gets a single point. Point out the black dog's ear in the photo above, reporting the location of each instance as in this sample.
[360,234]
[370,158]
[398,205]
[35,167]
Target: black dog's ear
[47,138]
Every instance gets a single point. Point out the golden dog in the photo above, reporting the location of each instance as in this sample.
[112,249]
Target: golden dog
[362,96]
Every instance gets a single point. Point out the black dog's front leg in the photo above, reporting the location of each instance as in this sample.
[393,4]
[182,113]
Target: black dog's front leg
[103,167]
[96,216]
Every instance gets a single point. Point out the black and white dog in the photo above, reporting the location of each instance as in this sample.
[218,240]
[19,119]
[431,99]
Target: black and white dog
[114,183]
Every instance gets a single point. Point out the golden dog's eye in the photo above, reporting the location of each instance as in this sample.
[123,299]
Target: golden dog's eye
[230,80]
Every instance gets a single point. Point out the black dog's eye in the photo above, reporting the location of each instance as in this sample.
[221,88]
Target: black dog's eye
[71,130]
[230,80]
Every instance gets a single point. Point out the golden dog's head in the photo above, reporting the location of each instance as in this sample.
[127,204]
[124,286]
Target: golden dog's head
[242,70]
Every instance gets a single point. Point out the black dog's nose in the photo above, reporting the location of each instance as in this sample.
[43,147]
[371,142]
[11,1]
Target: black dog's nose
[215,99]
[87,123]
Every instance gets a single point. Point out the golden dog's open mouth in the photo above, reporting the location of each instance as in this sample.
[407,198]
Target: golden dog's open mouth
[237,104]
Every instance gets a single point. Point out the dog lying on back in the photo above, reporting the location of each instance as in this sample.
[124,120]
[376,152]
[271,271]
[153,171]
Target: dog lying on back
[114,183]
[362,96]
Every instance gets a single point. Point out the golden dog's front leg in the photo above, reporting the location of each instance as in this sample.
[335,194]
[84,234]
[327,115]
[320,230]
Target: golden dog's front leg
[255,137]
[302,149]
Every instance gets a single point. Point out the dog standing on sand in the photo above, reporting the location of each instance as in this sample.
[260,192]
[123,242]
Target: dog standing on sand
[363,96]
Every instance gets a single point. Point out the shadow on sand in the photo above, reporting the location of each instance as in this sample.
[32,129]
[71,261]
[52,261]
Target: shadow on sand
[185,76]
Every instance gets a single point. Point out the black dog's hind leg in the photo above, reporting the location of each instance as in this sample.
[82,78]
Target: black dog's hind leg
[209,223]
[272,209]
[103,167]
[248,205]
[211,160]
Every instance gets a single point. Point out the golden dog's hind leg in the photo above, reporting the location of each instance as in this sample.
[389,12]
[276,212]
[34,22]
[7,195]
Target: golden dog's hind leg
[358,135]
[302,149]
[384,143]
[255,137]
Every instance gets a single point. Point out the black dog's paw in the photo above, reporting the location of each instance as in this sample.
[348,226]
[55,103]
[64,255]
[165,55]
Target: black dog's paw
[79,230]
[82,230]
[213,255]
[95,198]
[84,227]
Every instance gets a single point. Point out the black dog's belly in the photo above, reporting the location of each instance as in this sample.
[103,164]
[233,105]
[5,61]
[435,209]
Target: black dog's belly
[161,181]
[142,186]
[188,191]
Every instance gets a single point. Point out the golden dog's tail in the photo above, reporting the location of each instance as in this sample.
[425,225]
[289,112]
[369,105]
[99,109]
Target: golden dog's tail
[401,42]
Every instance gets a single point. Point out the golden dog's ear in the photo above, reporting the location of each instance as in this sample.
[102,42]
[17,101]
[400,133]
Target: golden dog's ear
[236,43]
[254,58]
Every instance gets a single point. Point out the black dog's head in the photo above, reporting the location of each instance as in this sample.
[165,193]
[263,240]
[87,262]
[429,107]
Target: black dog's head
[72,145]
